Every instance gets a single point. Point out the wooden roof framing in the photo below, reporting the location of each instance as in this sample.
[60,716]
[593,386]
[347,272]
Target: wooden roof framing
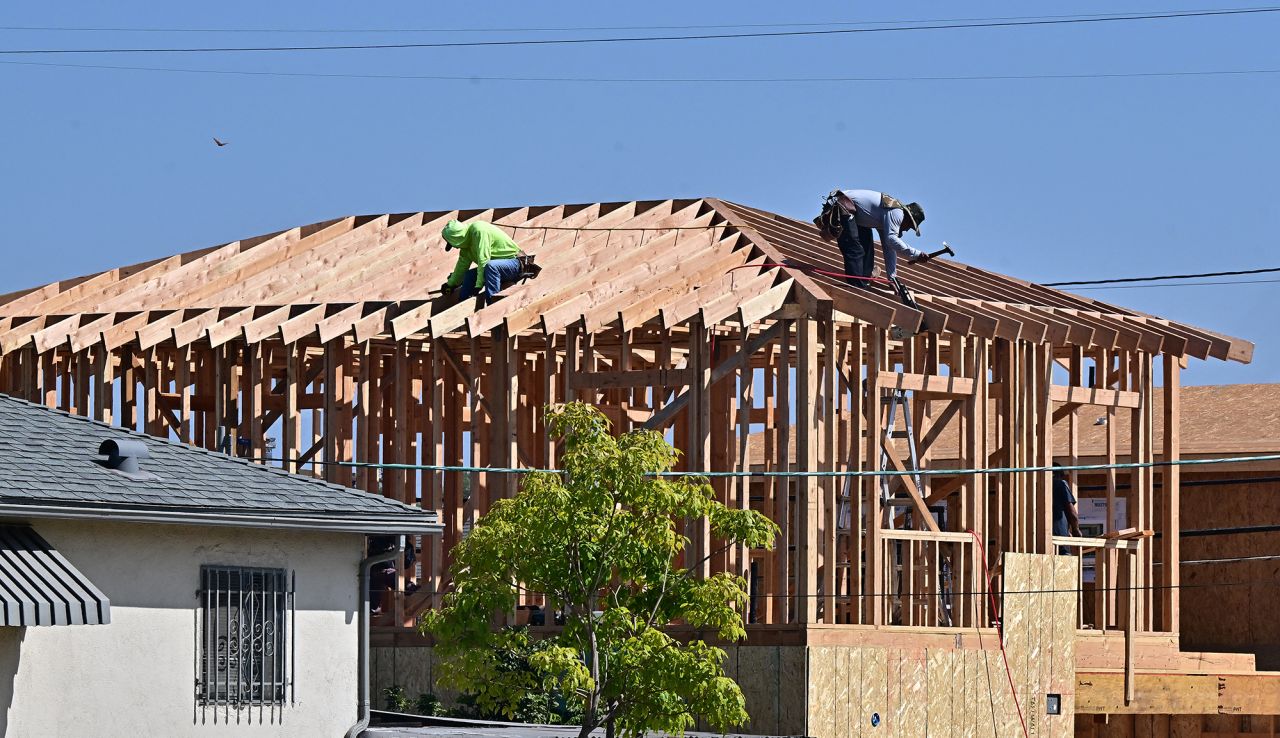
[622,264]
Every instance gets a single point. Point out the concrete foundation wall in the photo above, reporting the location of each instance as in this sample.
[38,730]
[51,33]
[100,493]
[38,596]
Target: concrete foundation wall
[136,675]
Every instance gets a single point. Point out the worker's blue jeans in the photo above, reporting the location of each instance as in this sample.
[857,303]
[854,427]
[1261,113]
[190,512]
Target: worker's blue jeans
[858,249]
[496,271]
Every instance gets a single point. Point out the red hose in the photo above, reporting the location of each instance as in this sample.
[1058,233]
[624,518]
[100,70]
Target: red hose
[816,270]
[1000,631]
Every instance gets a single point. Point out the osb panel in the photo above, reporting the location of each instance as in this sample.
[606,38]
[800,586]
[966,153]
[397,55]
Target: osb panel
[893,716]
[1003,712]
[913,698]
[942,688]
[833,691]
[792,678]
[980,681]
[848,667]
[1039,627]
[1015,614]
[875,689]
[822,691]
[381,673]
[758,675]
[1063,645]
[963,706]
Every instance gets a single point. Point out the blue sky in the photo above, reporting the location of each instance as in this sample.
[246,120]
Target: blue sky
[1044,179]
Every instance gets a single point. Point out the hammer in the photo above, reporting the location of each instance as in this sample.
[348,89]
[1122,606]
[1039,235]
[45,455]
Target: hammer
[946,249]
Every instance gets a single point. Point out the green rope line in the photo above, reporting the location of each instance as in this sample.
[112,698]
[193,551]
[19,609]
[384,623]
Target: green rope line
[720,474]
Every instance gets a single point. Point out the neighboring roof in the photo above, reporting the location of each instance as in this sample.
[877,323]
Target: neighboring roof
[1217,420]
[603,263]
[38,586]
[50,468]
[1220,420]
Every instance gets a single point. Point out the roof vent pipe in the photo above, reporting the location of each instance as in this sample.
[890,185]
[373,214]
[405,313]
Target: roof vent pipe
[123,455]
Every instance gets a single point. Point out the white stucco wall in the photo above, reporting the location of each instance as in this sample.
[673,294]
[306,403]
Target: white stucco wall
[136,676]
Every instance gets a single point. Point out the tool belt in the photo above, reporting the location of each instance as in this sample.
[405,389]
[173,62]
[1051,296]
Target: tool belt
[830,221]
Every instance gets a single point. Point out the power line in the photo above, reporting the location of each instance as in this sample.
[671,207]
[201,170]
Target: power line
[798,473]
[1198,275]
[549,29]
[647,39]
[1006,593]
[659,80]
[1184,284]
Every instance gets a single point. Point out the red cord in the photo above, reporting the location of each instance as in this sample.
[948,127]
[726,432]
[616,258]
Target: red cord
[816,270]
[1000,632]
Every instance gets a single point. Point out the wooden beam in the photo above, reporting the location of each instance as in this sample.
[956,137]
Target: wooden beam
[632,378]
[917,500]
[929,383]
[1089,396]
[1154,694]
[722,370]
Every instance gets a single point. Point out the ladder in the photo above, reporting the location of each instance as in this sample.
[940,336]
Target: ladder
[890,503]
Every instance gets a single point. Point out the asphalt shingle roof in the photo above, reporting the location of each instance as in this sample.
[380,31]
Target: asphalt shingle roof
[49,456]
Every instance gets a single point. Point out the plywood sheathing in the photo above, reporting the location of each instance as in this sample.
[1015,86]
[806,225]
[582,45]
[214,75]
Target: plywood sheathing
[958,691]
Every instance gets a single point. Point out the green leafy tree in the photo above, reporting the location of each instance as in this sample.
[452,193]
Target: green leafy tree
[602,540]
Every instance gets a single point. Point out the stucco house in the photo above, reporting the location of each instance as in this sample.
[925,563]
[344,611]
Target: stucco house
[152,588]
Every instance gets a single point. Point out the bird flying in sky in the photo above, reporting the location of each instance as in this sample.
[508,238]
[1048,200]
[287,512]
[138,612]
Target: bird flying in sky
[220,143]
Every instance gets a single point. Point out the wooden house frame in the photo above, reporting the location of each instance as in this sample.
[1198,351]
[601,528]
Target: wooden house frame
[670,315]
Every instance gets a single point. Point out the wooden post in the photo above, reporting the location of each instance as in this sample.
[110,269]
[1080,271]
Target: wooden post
[152,425]
[478,502]
[699,420]
[433,492]
[104,390]
[291,418]
[852,486]
[396,481]
[785,611]
[975,457]
[365,476]
[128,389]
[507,406]
[335,397]
[808,443]
[1044,446]
[1170,523]
[874,579]
[827,414]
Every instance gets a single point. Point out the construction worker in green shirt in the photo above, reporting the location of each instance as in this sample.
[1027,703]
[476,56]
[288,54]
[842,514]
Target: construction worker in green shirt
[491,251]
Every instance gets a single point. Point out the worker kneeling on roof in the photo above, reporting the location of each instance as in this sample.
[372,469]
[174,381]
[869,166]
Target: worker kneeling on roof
[496,259]
[849,216]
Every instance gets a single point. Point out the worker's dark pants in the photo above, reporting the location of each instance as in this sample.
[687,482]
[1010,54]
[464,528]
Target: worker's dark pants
[858,249]
[496,271]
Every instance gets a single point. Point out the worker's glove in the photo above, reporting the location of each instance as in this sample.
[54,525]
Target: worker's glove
[922,258]
[446,288]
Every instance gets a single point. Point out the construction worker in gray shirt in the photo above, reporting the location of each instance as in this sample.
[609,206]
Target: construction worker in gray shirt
[858,213]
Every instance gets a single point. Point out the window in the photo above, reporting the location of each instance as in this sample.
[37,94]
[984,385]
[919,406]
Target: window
[246,623]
